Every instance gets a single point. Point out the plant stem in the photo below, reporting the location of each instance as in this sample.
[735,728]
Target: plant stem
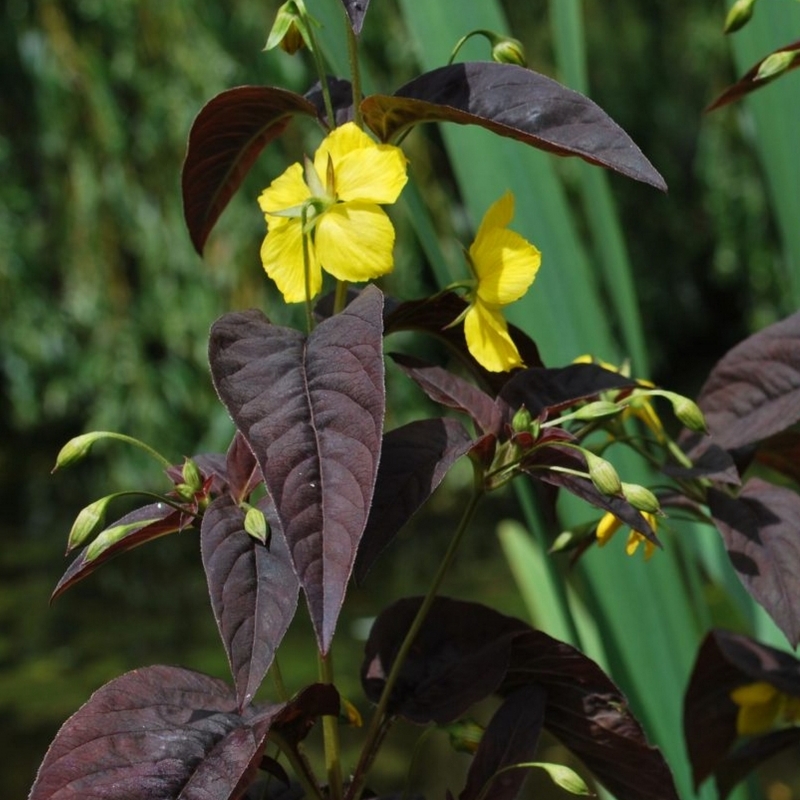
[355,72]
[277,681]
[340,298]
[374,732]
[323,78]
[307,277]
[330,732]
[300,767]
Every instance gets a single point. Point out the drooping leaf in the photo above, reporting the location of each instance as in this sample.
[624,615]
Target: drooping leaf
[724,662]
[243,470]
[555,389]
[459,657]
[146,523]
[311,410]
[225,139]
[515,102]
[434,316]
[414,460]
[760,530]
[590,716]
[754,391]
[341,94]
[158,732]
[453,392]
[254,591]
[509,739]
[356,11]
[751,81]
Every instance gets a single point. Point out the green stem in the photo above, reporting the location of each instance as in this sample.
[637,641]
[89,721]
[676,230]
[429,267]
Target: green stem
[277,681]
[330,733]
[340,298]
[374,731]
[355,73]
[302,771]
[323,78]
[146,447]
[307,277]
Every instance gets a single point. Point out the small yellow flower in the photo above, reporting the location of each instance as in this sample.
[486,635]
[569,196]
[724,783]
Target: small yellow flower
[504,266]
[609,525]
[763,707]
[334,203]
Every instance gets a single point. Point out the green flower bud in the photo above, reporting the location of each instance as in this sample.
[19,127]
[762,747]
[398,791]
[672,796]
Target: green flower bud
[87,522]
[76,449]
[739,15]
[596,410]
[506,50]
[565,540]
[185,492]
[521,421]
[690,415]
[465,735]
[641,498]
[255,523]
[110,536]
[775,64]
[191,475]
[602,474]
[290,30]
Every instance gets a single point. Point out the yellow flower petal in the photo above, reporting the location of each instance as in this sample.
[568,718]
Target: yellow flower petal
[376,174]
[606,528]
[286,191]
[354,241]
[759,705]
[499,215]
[282,257]
[338,143]
[488,339]
[505,264]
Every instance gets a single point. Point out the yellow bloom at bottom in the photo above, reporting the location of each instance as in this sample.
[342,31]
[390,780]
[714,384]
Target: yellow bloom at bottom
[762,707]
[609,525]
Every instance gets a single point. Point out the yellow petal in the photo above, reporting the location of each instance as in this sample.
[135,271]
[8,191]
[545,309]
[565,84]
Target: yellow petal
[759,718]
[499,215]
[488,339]
[354,241]
[338,143]
[505,264]
[754,693]
[282,257]
[286,191]
[606,528]
[376,174]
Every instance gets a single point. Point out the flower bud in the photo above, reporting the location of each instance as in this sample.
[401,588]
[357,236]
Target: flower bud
[641,498]
[775,64]
[110,536]
[290,29]
[690,415]
[521,421]
[185,492]
[739,15]
[465,735]
[191,475]
[255,523]
[602,474]
[76,449]
[597,409]
[506,50]
[87,522]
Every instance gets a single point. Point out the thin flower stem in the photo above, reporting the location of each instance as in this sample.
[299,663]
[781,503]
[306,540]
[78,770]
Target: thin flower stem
[307,276]
[340,299]
[277,681]
[330,733]
[323,78]
[146,447]
[355,73]
[300,767]
[375,730]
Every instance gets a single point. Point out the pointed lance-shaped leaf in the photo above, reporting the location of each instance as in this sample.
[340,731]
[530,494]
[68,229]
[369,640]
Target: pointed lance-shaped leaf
[254,591]
[225,139]
[588,713]
[141,528]
[517,103]
[341,94]
[311,410]
[752,79]
[509,739]
[414,460]
[158,732]
[356,11]
[754,391]
[759,528]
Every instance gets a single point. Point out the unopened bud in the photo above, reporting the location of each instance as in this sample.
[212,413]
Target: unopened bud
[76,449]
[775,64]
[255,523]
[110,537]
[596,410]
[191,475]
[690,415]
[185,492]
[641,498]
[521,421]
[87,522]
[465,735]
[739,15]
[603,474]
[506,50]
[290,29]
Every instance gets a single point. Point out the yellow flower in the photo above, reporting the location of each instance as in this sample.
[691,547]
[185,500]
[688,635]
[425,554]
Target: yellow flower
[333,204]
[609,525]
[763,707]
[504,265]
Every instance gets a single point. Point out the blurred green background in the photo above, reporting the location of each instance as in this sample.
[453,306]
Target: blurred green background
[105,307]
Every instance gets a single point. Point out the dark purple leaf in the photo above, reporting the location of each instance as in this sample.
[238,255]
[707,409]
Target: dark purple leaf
[724,662]
[243,471]
[514,102]
[312,411]
[341,94]
[434,315]
[159,733]
[539,464]
[453,392]
[709,460]
[226,138]
[509,739]
[297,719]
[414,460]
[750,755]
[459,657]
[356,11]
[158,519]
[253,589]
[754,390]
[590,716]
[748,83]
[540,389]
[781,453]
[761,531]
